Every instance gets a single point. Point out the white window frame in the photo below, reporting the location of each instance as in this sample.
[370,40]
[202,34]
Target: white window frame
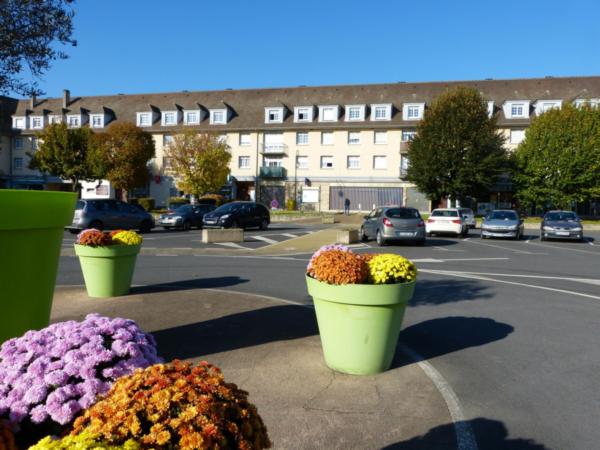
[379,158]
[32,121]
[19,122]
[245,142]
[186,116]
[277,114]
[20,165]
[18,143]
[510,105]
[408,135]
[327,133]
[163,118]
[35,142]
[513,139]
[214,120]
[308,109]
[302,141]
[55,119]
[383,141]
[272,161]
[325,158]
[490,108]
[304,159]
[335,111]
[360,109]
[76,118]
[385,107]
[409,107]
[93,117]
[167,140]
[353,158]
[354,137]
[139,117]
[245,158]
[541,106]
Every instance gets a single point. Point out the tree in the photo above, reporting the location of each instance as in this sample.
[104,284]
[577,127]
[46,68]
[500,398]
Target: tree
[29,31]
[121,154]
[64,152]
[457,151]
[199,161]
[559,160]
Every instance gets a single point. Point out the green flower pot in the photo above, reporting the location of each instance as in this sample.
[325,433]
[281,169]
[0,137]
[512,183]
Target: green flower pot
[31,232]
[107,271]
[359,324]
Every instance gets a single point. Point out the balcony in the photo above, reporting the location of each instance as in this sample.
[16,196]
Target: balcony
[272,172]
[274,149]
[403,173]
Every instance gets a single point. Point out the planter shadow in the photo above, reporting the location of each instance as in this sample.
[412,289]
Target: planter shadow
[235,331]
[437,292]
[184,285]
[438,337]
[490,435]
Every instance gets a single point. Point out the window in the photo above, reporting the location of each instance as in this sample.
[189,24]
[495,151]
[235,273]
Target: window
[355,112]
[353,137]
[273,115]
[166,162]
[73,121]
[380,137]
[542,106]
[517,136]
[516,110]
[167,140]
[97,121]
[19,123]
[217,117]
[403,166]
[379,162]
[37,123]
[353,162]
[244,162]
[245,139]
[408,135]
[413,111]
[302,162]
[18,143]
[169,118]
[144,119]
[302,138]
[273,162]
[303,114]
[17,163]
[327,138]
[381,112]
[191,117]
[54,119]
[35,142]
[328,113]
[326,162]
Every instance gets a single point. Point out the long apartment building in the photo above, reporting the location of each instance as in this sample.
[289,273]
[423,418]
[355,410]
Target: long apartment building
[318,145]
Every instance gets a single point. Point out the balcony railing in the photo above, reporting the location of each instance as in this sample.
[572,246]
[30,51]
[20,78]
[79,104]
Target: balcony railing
[274,149]
[403,173]
[272,172]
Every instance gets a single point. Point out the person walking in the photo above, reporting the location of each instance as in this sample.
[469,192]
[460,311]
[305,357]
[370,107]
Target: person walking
[347,206]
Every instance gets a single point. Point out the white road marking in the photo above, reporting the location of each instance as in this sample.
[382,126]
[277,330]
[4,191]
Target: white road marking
[230,244]
[541,277]
[265,239]
[590,242]
[164,254]
[440,248]
[290,235]
[503,248]
[565,248]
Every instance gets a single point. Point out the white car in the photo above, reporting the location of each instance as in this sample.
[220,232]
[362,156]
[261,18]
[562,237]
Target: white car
[446,221]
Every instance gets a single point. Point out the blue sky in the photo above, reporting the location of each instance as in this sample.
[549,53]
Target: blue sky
[135,46]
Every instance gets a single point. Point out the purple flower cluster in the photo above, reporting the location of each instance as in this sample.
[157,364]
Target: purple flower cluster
[52,374]
[341,247]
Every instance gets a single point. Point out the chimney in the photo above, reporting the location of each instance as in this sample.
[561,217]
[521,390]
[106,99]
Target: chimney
[66,98]
[32,101]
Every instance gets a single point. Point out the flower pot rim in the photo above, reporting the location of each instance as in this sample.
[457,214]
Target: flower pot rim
[106,251]
[24,210]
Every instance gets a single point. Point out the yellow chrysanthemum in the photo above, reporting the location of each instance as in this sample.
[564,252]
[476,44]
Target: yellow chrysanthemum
[127,238]
[390,268]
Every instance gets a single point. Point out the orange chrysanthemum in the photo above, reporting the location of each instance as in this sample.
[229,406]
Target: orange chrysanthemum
[339,267]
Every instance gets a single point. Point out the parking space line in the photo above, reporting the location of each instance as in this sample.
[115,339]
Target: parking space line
[231,244]
[565,248]
[290,235]
[541,277]
[265,239]
[503,248]
[440,248]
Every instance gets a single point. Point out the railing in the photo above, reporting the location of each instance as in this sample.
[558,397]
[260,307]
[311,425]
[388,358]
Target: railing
[403,173]
[274,149]
[272,172]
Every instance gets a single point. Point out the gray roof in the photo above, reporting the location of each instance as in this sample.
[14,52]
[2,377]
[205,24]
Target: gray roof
[247,105]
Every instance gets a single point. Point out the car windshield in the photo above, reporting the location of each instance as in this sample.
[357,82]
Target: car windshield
[503,215]
[444,213]
[561,216]
[229,207]
[402,213]
[183,209]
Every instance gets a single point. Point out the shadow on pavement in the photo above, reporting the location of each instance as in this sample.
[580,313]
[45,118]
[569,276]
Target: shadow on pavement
[436,292]
[183,285]
[236,331]
[446,335]
[490,435]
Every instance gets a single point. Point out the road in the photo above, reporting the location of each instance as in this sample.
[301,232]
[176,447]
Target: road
[512,326]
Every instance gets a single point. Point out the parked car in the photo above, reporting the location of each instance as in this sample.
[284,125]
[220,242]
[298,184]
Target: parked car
[502,223]
[393,223]
[561,225]
[446,221]
[238,215]
[185,216]
[106,214]
[469,216]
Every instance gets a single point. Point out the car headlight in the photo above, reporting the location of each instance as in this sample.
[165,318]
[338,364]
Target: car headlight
[547,228]
[576,229]
[513,227]
[225,216]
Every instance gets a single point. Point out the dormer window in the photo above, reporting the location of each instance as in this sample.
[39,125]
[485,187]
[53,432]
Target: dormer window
[355,113]
[97,120]
[413,111]
[19,123]
[168,118]
[381,112]
[144,119]
[74,121]
[303,114]
[191,117]
[54,119]
[516,109]
[490,108]
[541,106]
[274,115]
[328,113]
[218,116]
[37,122]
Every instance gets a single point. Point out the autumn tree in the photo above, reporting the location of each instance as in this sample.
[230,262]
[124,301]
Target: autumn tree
[64,152]
[29,34]
[200,162]
[121,154]
[457,151]
[558,162]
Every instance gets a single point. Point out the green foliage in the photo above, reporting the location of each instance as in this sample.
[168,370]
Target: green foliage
[290,204]
[200,162]
[559,160]
[146,202]
[174,202]
[218,199]
[457,151]
[122,154]
[29,32]
[64,152]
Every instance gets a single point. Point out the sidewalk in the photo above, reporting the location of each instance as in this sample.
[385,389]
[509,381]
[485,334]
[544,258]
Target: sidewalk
[271,348]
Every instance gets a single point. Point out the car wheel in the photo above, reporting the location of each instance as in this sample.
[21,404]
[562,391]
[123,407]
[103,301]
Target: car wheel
[465,233]
[97,225]
[167,228]
[380,239]
[187,225]
[145,226]
[264,224]
[483,236]
[361,235]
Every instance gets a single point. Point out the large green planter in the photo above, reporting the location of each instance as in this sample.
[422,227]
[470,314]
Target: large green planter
[31,232]
[107,271]
[359,324]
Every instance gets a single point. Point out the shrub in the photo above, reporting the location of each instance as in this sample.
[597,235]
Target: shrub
[84,441]
[290,204]
[176,405]
[174,202]
[146,202]
[50,375]
[390,268]
[217,199]
[94,238]
[339,267]
[127,238]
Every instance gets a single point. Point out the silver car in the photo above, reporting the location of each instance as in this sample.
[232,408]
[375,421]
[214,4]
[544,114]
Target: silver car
[469,216]
[504,223]
[393,223]
[106,214]
[561,225]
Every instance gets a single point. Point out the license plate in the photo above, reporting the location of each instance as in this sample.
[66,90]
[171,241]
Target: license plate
[562,233]
[406,233]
